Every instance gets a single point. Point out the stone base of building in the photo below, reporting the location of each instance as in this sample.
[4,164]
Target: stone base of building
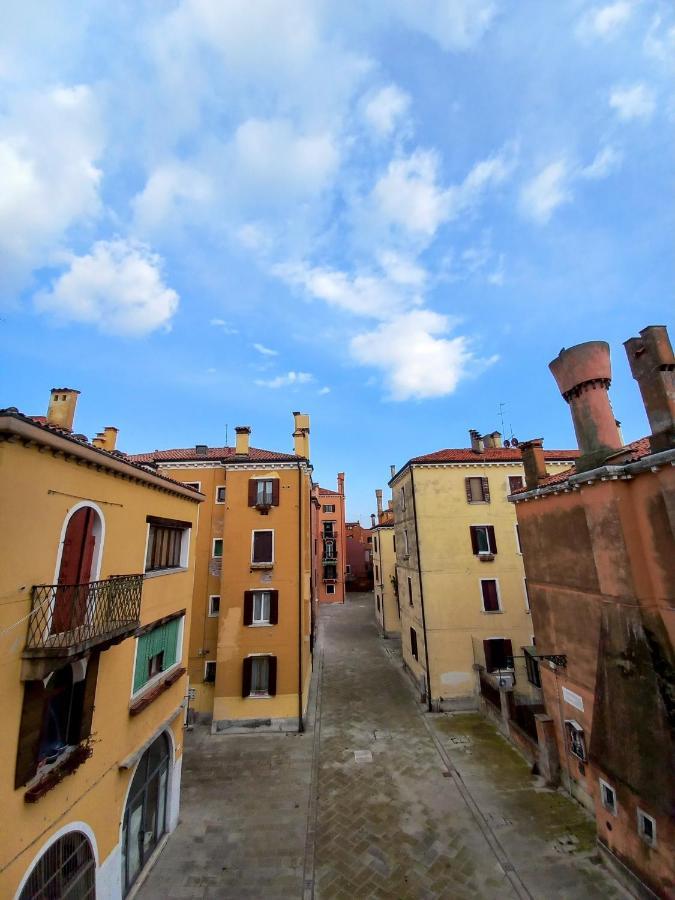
[257,726]
[469,703]
[624,875]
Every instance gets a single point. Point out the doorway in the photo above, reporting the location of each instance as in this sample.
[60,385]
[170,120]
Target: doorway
[75,570]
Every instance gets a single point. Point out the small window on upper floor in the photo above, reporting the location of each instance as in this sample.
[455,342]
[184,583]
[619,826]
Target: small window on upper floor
[483,541]
[214,605]
[158,650]
[168,541]
[575,739]
[329,508]
[263,492]
[262,547]
[403,496]
[220,493]
[515,483]
[196,485]
[217,548]
[646,827]
[477,490]
[608,797]
[210,672]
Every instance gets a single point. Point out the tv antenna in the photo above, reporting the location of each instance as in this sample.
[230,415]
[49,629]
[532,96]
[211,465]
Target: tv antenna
[227,439]
[501,415]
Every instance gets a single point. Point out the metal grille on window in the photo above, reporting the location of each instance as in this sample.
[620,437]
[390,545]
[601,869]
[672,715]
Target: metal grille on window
[67,871]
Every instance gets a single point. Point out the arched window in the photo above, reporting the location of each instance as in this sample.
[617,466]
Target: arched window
[79,564]
[145,812]
[66,870]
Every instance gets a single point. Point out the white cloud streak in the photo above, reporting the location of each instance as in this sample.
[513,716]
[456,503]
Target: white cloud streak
[605,22]
[636,101]
[265,351]
[290,379]
[385,109]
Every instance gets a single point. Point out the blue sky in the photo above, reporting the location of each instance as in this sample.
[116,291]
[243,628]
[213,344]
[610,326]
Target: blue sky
[389,215]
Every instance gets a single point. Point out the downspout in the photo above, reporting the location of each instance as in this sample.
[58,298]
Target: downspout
[419,574]
[301,725]
[379,559]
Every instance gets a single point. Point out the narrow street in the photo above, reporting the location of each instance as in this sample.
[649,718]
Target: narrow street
[376,799]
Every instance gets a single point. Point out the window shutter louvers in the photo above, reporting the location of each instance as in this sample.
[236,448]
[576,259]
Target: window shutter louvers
[248,607]
[486,490]
[467,485]
[252,492]
[272,678]
[34,697]
[275,492]
[83,702]
[491,539]
[508,651]
[274,607]
[474,539]
[246,676]
[487,648]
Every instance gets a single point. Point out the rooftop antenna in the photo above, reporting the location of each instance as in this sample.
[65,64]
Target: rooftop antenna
[501,414]
[227,438]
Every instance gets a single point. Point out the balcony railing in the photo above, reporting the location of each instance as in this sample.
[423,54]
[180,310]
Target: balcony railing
[329,559]
[66,618]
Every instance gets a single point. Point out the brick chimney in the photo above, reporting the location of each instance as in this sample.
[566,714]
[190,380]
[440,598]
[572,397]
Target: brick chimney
[476,441]
[341,483]
[653,366]
[62,405]
[243,433]
[378,497]
[301,434]
[583,374]
[533,462]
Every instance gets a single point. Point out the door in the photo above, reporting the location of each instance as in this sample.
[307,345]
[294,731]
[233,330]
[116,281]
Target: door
[70,606]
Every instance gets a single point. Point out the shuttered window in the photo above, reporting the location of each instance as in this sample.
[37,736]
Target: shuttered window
[263,492]
[413,643]
[483,539]
[490,594]
[157,651]
[410,591]
[477,490]
[498,654]
[261,607]
[515,483]
[259,676]
[263,547]
[165,543]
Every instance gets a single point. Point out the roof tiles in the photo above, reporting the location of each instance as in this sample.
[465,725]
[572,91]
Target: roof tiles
[182,454]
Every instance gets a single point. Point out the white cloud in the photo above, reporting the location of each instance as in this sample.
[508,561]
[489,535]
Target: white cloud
[548,190]
[634,102]
[322,391]
[452,24]
[604,22]
[224,324]
[288,380]
[385,108]
[605,163]
[265,351]
[417,359]
[172,190]
[117,287]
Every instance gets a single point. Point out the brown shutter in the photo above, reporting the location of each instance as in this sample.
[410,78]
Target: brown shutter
[467,485]
[275,492]
[252,491]
[272,679]
[492,541]
[486,490]
[246,676]
[274,607]
[487,649]
[508,651]
[490,599]
[30,731]
[474,539]
[262,546]
[84,713]
[248,607]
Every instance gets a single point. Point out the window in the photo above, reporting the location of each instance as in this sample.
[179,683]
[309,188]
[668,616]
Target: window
[329,572]
[646,828]
[519,546]
[490,594]
[527,595]
[261,607]
[413,642]
[66,869]
[608,797]
[196,485]
[263,492]
[393,537]
[262,548]
[214,604]
[328,508]
[575,739]
[157,651]
[259,677]
[403,496]
[330,588]
[210,672]
[217,547]
[377,598]
[483,541]
[375,544]
[515,483]
[348,569]
[220,493]
[329,529]
[329,549]
[168,542]
[498,654]
[477,490]
[370,540]
[410,591]
[406,545]
[377,573]
[532,668]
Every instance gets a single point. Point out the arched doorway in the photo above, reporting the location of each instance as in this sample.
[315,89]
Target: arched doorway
[66,870]
[145,812]
[80,544]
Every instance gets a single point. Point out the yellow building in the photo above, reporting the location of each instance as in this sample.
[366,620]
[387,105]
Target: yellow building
[387,610]
[250,655]
[95,590]
[461,582]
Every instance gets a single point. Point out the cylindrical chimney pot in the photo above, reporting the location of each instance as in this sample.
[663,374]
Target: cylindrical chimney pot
[378,497]
[653,366]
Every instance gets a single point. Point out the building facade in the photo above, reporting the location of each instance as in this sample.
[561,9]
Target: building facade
[359,567]
[329,547]
[96,586]
[250,656]
[600,563]
[459,569]
[387,609]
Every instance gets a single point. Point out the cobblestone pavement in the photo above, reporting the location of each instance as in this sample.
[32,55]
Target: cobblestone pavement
[380,801]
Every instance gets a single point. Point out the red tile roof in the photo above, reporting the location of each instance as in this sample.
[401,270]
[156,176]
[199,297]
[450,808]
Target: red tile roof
[629,454]
[182,454]
[489,455]
[325,492]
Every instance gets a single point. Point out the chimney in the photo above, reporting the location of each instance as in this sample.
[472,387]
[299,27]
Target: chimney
[583,374]
[378,496]
[392,469]
[341,483]
[653,366]
[496,439]
[61,410]
[301,434]
[476,441]
[243,433]
[533,462]
[372,520]
[106,439]
[201,450]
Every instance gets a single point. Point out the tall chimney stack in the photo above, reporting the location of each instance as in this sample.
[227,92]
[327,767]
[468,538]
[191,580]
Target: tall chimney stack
[372,520]
[301,434]
[341,483]
[533,462]
[583,374]
[62,405]
[653,366]
[106,439]
[476,441]
[243,433]
[378,497]
[392,469]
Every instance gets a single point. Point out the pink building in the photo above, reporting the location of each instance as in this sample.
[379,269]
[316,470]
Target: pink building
[329,542]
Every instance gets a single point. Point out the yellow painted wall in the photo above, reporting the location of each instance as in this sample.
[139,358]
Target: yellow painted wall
[384,558]
[38,490]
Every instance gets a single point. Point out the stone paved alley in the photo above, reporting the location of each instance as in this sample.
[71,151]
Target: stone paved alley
[376,799]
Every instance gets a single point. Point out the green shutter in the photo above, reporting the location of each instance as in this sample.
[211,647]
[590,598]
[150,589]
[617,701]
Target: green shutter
[163,638]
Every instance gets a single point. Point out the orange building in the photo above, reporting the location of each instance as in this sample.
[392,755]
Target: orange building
[599,551]
[359,568]
[329,542]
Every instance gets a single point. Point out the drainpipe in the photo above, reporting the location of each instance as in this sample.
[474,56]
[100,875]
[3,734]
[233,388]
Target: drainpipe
[301,724]
[419,573]
[379,559]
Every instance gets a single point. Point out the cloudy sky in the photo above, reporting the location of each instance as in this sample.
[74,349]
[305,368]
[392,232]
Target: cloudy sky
[390,214]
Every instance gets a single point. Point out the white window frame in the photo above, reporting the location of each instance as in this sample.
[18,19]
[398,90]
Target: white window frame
[482,488]
[490,612]
[185,537]
[487,552]
[212,614]
[528,608]
[213,548]
[259,623]
[264,498]
[514,475]
[219,488]
[207,663]
[330,588]
[577,727]
[196,485]
[160,675]
[641,816]
[328,508]
[260,531]
[604,785]
[519,547]
[259,694]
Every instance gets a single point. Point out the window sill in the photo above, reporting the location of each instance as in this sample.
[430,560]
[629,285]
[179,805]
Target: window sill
[68,763]
[260,625]
[486,557]
[259,697]
[143,700]
[492,612]
[172,571]
[212,615]
[478,502]
[265,565]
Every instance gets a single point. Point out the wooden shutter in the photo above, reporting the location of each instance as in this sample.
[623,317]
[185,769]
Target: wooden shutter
[508,651]
[272,676]
[492,541]
[262,546]
[275,492]
[474,539]
[490,600]
[274,607]
[84,694]
[252,491]
[487,649]
[30,731]
[486,490]
[248,607]
[467,485]
[246,676]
